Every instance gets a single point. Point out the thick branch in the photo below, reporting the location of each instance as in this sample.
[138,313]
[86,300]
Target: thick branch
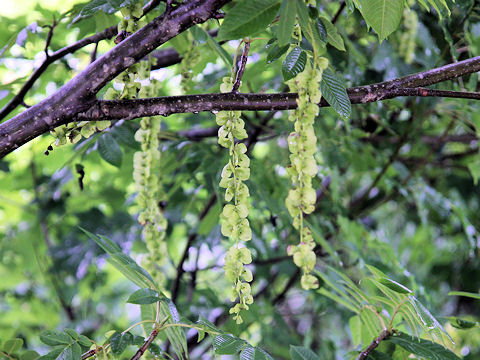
[79,93]
[131,109]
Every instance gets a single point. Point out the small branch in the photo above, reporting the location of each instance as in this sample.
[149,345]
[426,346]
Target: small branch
[383,335]
[18,99]
[145,345]
[91,353]
[339,11]
[49,37]
[241,69]
[93,55]
[191,239]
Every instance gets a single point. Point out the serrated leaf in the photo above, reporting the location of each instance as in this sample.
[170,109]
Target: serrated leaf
[275,52]
[227,344]
[382,15]
[120,341]
[247,18]
[335,93]
[333,37]
[294,63]
[12,346]
[143,296]
[174,334]
[254,353]
[286,23]
[106,6]
[126,135]
[422,347]
[53,338]
[109,150]
[395,286]
[207,325]
[302,353]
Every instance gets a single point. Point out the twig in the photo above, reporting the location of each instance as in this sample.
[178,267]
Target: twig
[241,69]
[374,344]
[191,239]
[339,11]
[93,55]
[145,345]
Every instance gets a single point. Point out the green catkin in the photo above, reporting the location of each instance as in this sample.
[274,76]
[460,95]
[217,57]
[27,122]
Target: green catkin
[75,131]
[190,58]
[302,144]
[234,220]
[408,37]
[146,175]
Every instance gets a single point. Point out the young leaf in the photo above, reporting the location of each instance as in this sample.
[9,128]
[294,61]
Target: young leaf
[335,93]
[395,286]
[254,353]
[302,353]
[382,15]
[275,52]
[247,18]
[333,37]
[144,296]
[53,338]
[120,341]
[287,22]
[294,63]
[12,346]
[310,27]
[422,347]
[109,150]
[227,344]
[123,263]
[464,293]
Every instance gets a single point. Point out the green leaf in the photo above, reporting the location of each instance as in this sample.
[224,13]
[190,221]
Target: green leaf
[382,15]
[333,37]
[254,353]
[52,338]
[286,23]
[215,46]
[210,220]
[310,28]
[120,341]
[302,353]
[123,263]
[377,355]
[465,294]
[247,18]
[461,323]
[335,93]
[422,347]
[107,6]
[29,355]
[227,344]
[144,296]
[275,52]
[294,63]
[395,286]
[109,150]
[175,334]
[12,346]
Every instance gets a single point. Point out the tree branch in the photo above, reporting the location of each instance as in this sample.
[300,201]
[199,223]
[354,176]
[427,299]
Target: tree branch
[145,345]
[165,106]
[79,93]
[383,335]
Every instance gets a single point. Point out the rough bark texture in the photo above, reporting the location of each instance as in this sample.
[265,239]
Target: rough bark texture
[76,100]
[79,94]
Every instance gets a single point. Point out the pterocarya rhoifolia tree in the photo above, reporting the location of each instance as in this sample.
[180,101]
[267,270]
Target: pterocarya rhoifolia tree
[209,151]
